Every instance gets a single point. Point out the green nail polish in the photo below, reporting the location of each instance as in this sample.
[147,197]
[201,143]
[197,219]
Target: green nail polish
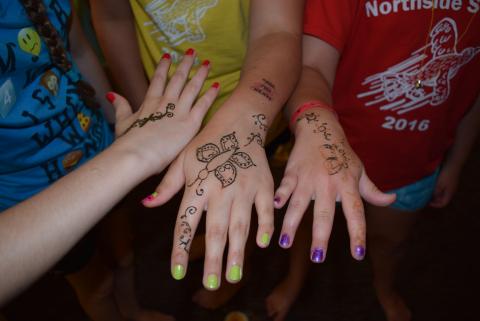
[235,273]
[178,272]
[212,282]
[265,240]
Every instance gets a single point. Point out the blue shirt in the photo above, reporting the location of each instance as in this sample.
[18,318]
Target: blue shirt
[46,130]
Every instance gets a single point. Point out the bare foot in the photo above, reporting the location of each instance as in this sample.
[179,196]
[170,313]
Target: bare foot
[280,300]
[215,299]
[394,307]
[126,299]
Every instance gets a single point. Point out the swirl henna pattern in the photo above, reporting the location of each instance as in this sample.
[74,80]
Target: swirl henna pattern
[153,117]
[222,161]
[186,233]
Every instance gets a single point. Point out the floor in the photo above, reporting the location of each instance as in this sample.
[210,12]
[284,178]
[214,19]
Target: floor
[439,276]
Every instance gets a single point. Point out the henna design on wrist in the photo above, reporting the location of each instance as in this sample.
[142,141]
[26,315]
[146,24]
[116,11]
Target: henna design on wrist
[320,128]
[222,161]
[186,233]
[264,88]
[337,158]
[153,117]
[260,120]
[309,117]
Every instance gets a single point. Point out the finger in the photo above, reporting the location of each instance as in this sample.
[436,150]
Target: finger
[288,184]
[264,207]
[177,82]
[203,104]
[323,214]
[440,197]
[237,238]
[171,183]
[188,218]
[218,216]
[296,208]
[355,215]
[123,110]
[159,79]
[372,194]
[193,87]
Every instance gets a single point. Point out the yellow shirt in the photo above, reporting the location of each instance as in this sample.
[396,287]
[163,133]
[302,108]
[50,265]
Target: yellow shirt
[216,29]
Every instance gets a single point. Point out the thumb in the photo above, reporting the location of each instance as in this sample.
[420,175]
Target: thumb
[372,194]
[171,183]
[121,106]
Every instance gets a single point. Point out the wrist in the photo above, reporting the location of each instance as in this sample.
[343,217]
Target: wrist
[307,111]
[310,119]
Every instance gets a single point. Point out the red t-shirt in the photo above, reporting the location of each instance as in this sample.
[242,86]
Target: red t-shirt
[401,132]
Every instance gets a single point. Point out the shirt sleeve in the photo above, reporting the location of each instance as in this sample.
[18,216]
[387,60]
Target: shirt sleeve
[330,20]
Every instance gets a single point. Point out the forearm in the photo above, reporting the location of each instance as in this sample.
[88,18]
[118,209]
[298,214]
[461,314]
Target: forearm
[40,230]
[116,34]
[465,138]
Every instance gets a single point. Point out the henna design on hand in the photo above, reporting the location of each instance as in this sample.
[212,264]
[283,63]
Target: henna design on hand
[254,137]
[260,120]
[153,117]
[322,129]
[337,160]
[186,233]
[222,161]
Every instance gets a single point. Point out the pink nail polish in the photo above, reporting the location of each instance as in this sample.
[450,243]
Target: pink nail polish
[150,198]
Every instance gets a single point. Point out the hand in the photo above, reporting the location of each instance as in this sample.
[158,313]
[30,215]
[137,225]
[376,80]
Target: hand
[166,121]
[446,186]
[225,171]
[323,167]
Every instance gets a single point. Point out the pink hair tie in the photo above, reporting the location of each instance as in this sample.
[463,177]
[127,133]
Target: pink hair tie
[309,105]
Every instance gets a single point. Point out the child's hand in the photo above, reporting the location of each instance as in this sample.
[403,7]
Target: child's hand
[323,167]
[166,121]
[446,186]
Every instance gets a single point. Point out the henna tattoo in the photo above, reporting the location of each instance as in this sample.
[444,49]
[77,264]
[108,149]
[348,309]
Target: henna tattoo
[264,88]
[153,117]
[261,121]
[254,137]
[186,233]
[337,158]
[310,117]
[222,161]
[322,129]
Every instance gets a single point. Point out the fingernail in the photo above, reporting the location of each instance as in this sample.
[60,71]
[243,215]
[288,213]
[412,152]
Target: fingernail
[265,239]
[166,56]
[216,85]
[110,97]
[276,200]
[206,63]
[359,252]
[284,241]
[317,255]
[150,197]
[235,273]
[189,52]
[178,272]
[212,281]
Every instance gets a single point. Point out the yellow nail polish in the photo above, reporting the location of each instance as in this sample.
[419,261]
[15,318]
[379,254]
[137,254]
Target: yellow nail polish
[178,272]
[212,282]
[235,273]
[265,240]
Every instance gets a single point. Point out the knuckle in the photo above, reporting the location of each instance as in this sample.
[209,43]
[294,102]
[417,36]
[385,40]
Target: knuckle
[216,233]
[240,228]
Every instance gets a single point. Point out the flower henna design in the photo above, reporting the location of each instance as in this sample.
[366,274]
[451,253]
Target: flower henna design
[153,117]
[337,160]
[186,233]
[222,161]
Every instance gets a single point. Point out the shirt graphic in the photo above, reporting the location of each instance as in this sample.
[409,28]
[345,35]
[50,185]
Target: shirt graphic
[395,89]
[179,20]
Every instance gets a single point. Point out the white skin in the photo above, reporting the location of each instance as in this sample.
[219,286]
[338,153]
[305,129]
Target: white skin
[274,40]
[65,211]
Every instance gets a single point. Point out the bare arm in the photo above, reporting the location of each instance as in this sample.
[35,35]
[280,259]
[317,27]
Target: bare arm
[322,166]
[89,66]
[466,135]
[114,25]
[37,232]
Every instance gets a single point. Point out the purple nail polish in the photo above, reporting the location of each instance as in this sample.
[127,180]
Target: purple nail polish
[276,200]
[284,240]
[359,252]
[317,255]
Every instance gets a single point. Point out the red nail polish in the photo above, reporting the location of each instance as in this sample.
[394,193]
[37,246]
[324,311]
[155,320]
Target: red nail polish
[110,97]
[166,56]
[216,85]
[189,52]
[206,63]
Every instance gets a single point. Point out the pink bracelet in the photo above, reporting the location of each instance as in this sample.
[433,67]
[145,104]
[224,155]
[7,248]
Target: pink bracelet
[307,106]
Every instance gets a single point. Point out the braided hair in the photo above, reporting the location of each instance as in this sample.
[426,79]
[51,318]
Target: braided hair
[37,13]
